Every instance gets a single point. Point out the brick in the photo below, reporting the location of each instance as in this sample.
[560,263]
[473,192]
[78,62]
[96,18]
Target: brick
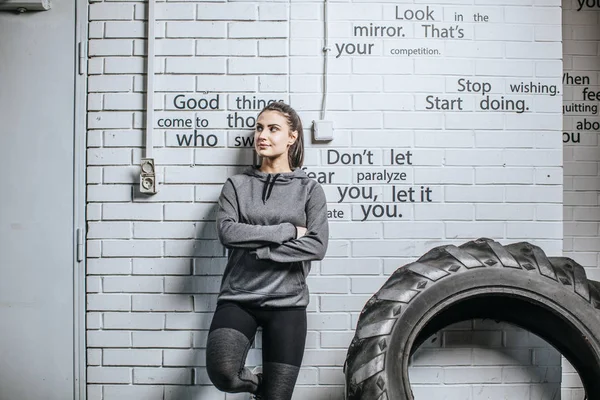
[504,212]
[344,230]
[444,176]
[162,339]
[504,139]
[128,138]
[162,266]
[132,248]
[108,375]
[273,48]
[147,392]
[110,230]
[162,302]
[442,357]
[122,101]
[108,302]
[484,356]
[326,357]
[94,104]
[410,120]
[227,11]
[527,15]
[380,248]
[258,66]
[170,47]
[193,392]
[473,194]
[110,84]
[182,321]
[170,11]
[196,175]
[108,339]
[173,376]
[504,32]
[227,83]
[93,284]
[328,321]
[353,266]
[109,120]
[94,357]
[472,375]
[535,194]
[132,211]
[196,66]
[196,29]
[112,47]
[132,357]
[226,47]
[135,284]
[504,176]
[377,66]
[93,248]
[183,248]
[109,156]
[136,320]
[406,230]
[258,30]
[122,29]
[107,11]
[109,266]
[500,392]
[183,358]
[190,212]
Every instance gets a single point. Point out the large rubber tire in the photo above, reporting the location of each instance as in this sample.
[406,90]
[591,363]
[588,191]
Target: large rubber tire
[517,283]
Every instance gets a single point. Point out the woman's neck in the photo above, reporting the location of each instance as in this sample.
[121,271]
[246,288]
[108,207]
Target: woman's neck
[275,166]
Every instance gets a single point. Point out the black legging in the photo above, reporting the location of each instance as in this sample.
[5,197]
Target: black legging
[232,333]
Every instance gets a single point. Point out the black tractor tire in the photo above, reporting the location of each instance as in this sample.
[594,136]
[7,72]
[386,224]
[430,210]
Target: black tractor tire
[517,283]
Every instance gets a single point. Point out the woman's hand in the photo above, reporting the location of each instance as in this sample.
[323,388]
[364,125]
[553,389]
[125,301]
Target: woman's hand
[300,231]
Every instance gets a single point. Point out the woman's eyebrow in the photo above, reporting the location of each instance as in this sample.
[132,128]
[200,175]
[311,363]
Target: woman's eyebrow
[270,125]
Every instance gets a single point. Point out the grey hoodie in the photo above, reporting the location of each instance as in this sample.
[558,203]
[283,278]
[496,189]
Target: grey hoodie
[257,219]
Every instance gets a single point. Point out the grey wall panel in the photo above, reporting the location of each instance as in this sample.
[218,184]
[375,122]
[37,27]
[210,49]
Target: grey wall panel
[37,53]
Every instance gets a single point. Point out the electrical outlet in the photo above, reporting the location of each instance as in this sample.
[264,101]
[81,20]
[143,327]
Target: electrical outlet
[323,130]
[148,176]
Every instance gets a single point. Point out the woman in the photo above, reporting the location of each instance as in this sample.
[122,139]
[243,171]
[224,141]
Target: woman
[273,219]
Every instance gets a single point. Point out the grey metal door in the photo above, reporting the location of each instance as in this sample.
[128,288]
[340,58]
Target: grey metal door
[37,106]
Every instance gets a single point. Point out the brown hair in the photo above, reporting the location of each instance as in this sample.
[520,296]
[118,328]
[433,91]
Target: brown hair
[296,151]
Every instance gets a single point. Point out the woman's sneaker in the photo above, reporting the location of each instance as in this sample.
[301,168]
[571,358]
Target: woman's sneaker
[258,372]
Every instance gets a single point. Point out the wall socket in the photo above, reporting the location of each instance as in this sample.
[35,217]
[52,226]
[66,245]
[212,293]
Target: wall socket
[148,176]
[323,130]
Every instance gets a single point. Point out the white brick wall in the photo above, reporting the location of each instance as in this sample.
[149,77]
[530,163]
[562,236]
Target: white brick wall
[492,167]
[581,211]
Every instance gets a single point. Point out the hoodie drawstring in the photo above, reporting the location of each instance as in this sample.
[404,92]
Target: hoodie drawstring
[268,188]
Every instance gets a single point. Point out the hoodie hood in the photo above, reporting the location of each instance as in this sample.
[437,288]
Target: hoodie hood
[271,179]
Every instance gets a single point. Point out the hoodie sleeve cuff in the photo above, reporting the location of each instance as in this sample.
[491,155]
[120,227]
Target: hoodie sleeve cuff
[289,232]
[262,252]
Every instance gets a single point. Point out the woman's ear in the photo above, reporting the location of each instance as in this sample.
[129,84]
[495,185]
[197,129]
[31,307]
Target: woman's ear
[293,138]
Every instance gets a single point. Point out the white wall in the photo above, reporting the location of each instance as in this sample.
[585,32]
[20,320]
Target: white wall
[154,263]
[581,44]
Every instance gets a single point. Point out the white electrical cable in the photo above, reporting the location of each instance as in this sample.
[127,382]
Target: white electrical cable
[326,50]
[150,81]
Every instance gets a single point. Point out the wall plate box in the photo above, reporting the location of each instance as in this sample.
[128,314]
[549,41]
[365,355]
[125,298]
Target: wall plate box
[323,130]
[25,5]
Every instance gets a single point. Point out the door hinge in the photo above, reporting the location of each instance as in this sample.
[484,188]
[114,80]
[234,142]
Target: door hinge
[82,58]
[79,245]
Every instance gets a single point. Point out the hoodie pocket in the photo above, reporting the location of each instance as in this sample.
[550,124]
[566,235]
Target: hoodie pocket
[266,277]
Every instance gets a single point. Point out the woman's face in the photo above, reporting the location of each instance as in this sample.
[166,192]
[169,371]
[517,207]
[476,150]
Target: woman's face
[272,136]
